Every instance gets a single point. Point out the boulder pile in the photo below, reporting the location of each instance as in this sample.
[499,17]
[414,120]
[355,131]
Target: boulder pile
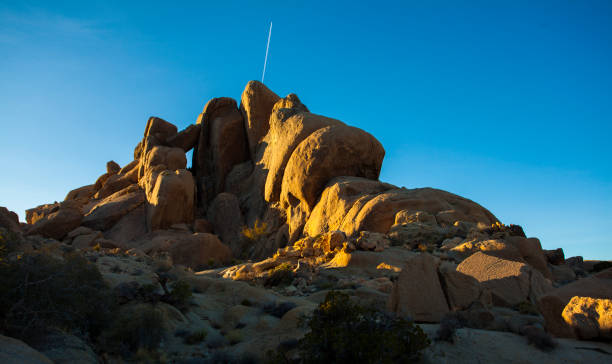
[289,201]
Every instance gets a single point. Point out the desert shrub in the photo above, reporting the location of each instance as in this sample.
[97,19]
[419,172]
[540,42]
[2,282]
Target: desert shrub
[278,309]
[257,232]
[527,308]
[180,295]
[448,327]
[40,292]
[281,275]
[539,338]
[234,337]
[196,337]
[138,326]
[343,332]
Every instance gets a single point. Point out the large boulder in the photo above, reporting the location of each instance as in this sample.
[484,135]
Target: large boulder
[417,293]
[333,151]
[117,182]
[256,104]
[284,136]
[510,282]
[81,194]
[461,289]
[342,194]
[551,305]
[170,200]
[104,214]
[164,157]
[226,218]
[160,129]
[131,226]
[57,224]
[186,139]
[112,167]
[221,145]
[36,213]
[590,318]
[9,220]
[197,251]
[13,351]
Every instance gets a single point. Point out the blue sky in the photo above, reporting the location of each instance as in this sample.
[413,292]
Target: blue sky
[507,103]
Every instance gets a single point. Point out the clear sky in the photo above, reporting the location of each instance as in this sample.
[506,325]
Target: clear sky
[508,103]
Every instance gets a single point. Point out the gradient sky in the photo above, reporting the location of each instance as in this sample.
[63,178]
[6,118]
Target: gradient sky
[508,103]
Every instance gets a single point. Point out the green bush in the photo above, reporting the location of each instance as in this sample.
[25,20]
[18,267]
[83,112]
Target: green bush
[138,326]
[180,295]
[196,337]
[40,292]
[343,332]
[281,275]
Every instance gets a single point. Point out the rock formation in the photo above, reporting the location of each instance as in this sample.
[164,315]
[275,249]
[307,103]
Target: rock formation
[286,195]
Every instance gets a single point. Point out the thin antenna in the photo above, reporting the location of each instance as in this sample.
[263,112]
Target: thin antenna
[266,60]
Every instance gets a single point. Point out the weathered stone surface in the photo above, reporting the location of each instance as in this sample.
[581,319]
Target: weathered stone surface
[368,240]
[58,223]
[129,167]
[415,233]
[589,318]
[112,167]
[329,152]
[531,250]
[107,212]
[202,226]
[160,129]
[283,138]
[226,218]
[422,217]
[81,194]
[342,198]
[101,180]
[256,104]
[461,289]
[417,292]
[87,240]
[553,303]
[378,213]
[117,182]
[510,282]
[555,257]
[38,212]
[562,273]
[221,145]
[168,158]
[494,247]
[131,226]
[186,139]
[13,351]
[171,199]
[9,220]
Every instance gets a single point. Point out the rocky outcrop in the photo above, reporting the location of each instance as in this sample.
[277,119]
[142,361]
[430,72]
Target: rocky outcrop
[105,213]
[551,305]
[9,220]
[13,351]
[225,216]
[417,292]
[170,200]
[65,217]
[510,282]
[256,105]
[221,145]
[589,318]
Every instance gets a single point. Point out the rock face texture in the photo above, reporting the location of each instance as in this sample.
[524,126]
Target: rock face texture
[510,282]
[589,318]
[418,293]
